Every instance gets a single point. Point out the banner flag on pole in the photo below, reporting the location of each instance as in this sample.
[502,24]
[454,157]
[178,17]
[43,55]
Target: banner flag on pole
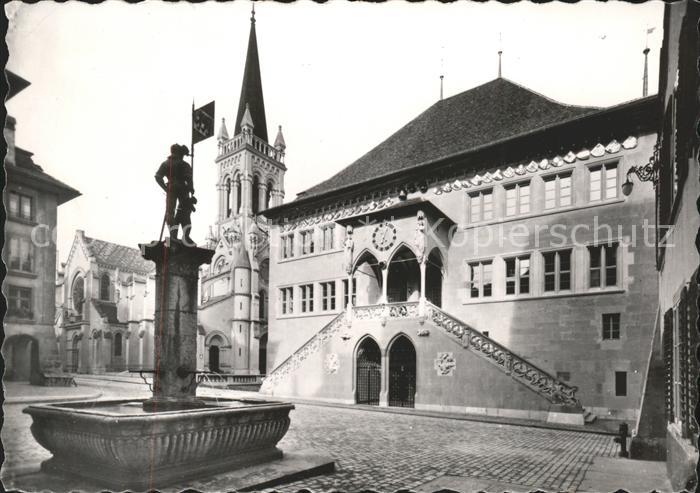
[203,123]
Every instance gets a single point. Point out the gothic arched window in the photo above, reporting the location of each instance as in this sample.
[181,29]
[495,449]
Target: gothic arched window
[78,294]
[228,197]
[268,195]
[238,194]
[255,206]
[104,287]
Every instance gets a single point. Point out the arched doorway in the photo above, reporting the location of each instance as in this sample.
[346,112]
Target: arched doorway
[74,359]
[433,278]
[368,373]
[21,353]
[403,283]
[402,373]
[367,282]
[262,355]
[214,353]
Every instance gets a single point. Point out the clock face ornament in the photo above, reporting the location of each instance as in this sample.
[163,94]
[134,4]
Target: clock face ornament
[384,236]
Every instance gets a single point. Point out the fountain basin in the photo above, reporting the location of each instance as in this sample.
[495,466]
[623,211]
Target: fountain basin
[121,445]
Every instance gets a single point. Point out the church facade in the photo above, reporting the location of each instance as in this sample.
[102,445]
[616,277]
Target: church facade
[234,287]
[482,259]
[105,296]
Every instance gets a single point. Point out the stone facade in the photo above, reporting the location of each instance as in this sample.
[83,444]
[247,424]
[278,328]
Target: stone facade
[31,199]
[106,304]
[546,270]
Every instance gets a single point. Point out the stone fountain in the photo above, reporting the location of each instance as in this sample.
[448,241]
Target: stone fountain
[174,436]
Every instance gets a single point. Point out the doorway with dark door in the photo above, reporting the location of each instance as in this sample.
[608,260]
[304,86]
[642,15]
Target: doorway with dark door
[402,373]
[369,373]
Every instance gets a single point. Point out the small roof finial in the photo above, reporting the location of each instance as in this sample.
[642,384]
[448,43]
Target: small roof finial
[441,79]
[252,13]
[500,54]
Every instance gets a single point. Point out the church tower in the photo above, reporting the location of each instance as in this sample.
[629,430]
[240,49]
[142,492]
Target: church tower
[233,310]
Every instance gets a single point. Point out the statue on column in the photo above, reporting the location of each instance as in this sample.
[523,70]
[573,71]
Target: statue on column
[419,240]
[180,199]
[348,246]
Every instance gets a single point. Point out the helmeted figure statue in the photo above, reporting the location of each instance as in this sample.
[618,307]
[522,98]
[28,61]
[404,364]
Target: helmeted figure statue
[348,247]
[179,191]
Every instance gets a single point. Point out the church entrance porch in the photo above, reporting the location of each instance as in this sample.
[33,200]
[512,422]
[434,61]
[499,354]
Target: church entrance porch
[402,373]
[368,373]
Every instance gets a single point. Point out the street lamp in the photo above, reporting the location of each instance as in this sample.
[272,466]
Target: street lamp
[647,172]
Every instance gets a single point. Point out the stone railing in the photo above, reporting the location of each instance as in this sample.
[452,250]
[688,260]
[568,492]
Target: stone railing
[239,141]
[310,347]
[522,370]
[388,311]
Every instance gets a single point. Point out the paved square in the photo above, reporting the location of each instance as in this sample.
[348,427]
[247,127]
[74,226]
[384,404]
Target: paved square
[386,451]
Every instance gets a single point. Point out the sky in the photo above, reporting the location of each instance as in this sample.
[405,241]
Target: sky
[112,84]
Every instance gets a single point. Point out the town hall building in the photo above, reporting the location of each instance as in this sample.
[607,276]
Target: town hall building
[482,259]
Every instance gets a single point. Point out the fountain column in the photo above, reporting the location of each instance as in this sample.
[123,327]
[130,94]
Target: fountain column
[175,338]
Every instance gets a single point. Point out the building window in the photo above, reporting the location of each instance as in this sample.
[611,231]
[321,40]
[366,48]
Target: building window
[287,300]
[21,255]
[480,274]
[78,295]
[518,199]
[255,195]
[557,271]
[557,191]
[104,287]
[117,344]
[518,275]
[238,193]
[228,197]
[611,326]
[307,298]
[481,206]
[328,237]
[21,206]
[328,295]
[307,242]
[268,195]
[603,265]
[19,302]
[288,246]
[602,182]
[620,383]
[346,292]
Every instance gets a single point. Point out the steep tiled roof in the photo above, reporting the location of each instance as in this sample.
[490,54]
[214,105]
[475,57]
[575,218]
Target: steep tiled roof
[107,309]
[24,169]
[122,257]
[486,114]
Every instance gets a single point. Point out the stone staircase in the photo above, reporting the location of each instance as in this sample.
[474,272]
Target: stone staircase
[526,373]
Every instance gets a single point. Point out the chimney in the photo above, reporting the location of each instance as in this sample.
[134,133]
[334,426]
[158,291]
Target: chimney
[10,139]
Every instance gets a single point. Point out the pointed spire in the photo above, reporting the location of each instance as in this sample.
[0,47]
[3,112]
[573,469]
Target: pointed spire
[279,140]
[500,54]
[251,88]
[247,120]
[441,78]
[223,132]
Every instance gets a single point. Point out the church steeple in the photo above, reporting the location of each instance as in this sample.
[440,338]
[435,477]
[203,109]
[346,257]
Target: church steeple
[251,89]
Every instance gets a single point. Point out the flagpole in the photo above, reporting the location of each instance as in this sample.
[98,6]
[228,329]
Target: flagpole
[192,141]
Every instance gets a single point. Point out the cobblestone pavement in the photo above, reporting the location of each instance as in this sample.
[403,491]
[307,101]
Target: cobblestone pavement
[386,452]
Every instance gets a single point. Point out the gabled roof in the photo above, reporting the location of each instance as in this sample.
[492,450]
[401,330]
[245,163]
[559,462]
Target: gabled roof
[25,170]
[251,89]
[489,113]
[118,256]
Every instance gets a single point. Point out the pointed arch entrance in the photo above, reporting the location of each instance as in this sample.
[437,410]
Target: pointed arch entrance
[214,353]
[402,373]
[367,281]
[403,282]
[368,373]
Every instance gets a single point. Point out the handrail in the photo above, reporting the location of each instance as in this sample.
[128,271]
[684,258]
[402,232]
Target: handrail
[308,348]
[542,381]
